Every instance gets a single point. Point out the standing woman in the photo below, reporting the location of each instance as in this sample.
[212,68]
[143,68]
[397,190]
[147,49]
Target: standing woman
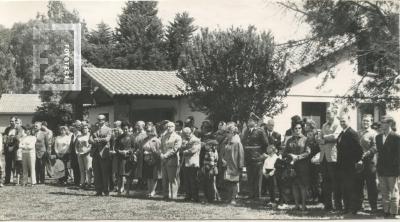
[124,146]
[84,159]
[312,142]
[61,148]
[297,148]
[151,170]
[27,145]
[232,157]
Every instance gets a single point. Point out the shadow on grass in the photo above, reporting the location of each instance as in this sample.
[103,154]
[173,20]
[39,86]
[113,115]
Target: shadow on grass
[71,194]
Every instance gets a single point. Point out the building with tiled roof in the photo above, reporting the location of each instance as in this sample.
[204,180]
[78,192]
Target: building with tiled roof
[21,105]
[132,95]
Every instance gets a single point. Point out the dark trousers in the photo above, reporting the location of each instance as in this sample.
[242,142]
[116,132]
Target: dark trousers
[102,171]
[10,161]
[270,186]
[254,177]
[347,187]
[191,175]
[330,186]
[368,177]
[40,167]
[75,168]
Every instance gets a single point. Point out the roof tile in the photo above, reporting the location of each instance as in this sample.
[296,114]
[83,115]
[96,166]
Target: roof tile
[19,103]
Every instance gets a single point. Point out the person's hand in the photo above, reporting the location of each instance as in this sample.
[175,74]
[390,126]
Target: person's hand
[271,173]
[224,163]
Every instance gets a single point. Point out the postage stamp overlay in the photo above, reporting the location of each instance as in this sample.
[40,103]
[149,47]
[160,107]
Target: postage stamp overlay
[57,57]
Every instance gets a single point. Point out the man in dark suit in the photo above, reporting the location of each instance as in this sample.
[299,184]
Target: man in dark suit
[75,128]
[100,152]
[349,152]
[388,166]
[275,139]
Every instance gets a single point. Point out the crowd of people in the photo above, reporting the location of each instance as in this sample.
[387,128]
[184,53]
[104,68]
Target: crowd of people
[330,165]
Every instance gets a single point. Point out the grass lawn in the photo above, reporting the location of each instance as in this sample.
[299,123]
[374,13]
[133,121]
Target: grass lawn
[53,202]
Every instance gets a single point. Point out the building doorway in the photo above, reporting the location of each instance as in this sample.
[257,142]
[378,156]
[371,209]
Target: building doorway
[315,111]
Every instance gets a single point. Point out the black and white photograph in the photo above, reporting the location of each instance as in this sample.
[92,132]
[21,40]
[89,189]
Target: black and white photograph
[199,110]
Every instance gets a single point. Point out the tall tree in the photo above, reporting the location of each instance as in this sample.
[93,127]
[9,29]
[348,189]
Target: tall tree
[139,37]
[100,46]
[178,34]
[373,26]
[234,72]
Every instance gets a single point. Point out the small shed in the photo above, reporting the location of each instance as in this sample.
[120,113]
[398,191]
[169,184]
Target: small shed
[22,106]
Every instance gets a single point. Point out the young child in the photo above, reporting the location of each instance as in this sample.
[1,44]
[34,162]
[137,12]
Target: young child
[269,171]
[210,170]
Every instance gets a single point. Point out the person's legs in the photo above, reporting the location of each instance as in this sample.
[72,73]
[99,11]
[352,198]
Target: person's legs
[31,165]
[296,194]
[97,175]
[359,189]
[372,188]
[186,178]
[8,156]
[393,195]
[25,167]
[251,180]
[173,182]
[195,183]
[326,185]
[81,163]
[165,184]
[270,186]
[106,171]
[335,187]
[303,196]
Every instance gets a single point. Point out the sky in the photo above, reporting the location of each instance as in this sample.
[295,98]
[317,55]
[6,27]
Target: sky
[265,15]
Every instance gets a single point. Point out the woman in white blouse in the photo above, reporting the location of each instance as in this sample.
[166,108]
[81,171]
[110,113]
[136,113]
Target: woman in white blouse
[84,159]
[27,146]
[61,148]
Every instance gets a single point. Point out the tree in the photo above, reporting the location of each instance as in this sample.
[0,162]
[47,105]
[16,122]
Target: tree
[178,34]
[100,46]
[374,29]
[234,72]
[139,37]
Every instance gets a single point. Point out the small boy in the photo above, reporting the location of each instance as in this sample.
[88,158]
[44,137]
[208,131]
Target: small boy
[210,170]
[269,171]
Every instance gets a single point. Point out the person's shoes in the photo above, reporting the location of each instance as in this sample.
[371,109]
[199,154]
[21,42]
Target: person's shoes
[186,199]
[296,208]
[233,202]
[98,194]
[1,185]
[106,194]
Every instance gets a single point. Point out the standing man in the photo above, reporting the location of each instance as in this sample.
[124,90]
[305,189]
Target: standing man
[255,143]
[10,146]
[76,126]
[138,139]
[49,144]
[328,157]
[388,166]
[191,158]
[349,152]
[100,151]
[116,132]
[171,142]
[368,163]
[43,151]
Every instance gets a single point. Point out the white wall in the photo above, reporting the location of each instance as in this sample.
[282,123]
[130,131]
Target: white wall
[307,88]
[180,105]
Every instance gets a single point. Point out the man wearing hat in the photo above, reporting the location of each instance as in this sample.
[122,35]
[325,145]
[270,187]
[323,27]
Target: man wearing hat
[100,152]
[255,142]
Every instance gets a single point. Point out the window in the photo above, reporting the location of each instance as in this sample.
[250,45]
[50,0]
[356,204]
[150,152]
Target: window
[315,111]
